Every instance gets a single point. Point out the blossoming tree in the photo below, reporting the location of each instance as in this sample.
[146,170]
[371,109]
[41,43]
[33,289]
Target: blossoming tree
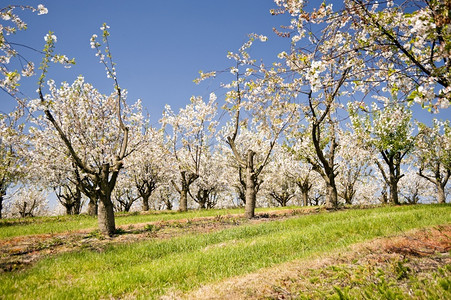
[189,143]
[388,131]
[90,126]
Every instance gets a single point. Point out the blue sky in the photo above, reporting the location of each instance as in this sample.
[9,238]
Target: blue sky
[159,46]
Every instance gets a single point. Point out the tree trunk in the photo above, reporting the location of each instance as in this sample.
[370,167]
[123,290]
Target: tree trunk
[186,181]
[69,209]
[441,198]
[168,204]
[250,186]
[348,194]
[145,203]
[332,196]
[394,191]
[2,195]
[183,199]
[304,197]
[77,201]
[1,205]
[23,210]
[106,216]
[127,207]
[92,207]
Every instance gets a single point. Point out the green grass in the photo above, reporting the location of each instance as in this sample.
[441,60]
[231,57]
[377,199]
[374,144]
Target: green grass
[149,269]
[42,225]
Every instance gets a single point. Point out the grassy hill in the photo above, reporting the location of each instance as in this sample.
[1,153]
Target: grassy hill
[161,255]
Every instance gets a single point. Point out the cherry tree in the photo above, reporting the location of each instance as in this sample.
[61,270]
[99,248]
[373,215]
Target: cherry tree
[414,188]
[236,173]
[90,126]
[280,184]
[353,166]
[207,188]
[298,170]
[254,92]
[146,165]
[323,70]
[125,193]
[433,152]
[28,201]
[188,145]
[388,132]
[164,197]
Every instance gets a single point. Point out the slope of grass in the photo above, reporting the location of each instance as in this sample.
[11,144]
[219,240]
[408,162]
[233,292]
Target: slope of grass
[43,225]
[149,269]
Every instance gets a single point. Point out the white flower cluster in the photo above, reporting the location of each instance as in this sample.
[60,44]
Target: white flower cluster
[50,37]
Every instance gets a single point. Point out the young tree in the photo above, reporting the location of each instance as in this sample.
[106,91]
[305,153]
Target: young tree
[433,152]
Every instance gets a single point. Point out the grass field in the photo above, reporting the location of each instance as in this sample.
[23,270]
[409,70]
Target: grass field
[151,268]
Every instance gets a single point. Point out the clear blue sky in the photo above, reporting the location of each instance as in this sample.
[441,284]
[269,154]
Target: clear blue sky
[159,46]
